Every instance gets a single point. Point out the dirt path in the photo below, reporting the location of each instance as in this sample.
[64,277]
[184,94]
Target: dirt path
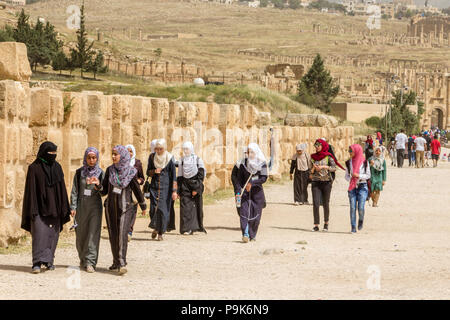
[405,240]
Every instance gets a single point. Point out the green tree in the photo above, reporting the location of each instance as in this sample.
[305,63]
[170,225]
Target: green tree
[316,88]
[60,62]
[278,4]
[263,3]
[97,65]
[400,117]
[158,52]
[7,34]
[294,4]
[83,51]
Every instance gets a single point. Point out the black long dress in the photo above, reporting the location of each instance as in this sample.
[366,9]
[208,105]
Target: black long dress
[252,202]
[191,207]
[45,211]
[118,212]
[161,203]
[139,175]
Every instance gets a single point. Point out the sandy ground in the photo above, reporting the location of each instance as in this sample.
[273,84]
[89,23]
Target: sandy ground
[404,245]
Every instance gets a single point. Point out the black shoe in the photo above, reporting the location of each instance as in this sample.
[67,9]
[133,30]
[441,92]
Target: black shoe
[315,229]
[114,268]
[360,224]
[325,227]
[49,266]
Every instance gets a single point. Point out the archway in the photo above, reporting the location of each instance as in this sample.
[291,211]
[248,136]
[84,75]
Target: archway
[437,118]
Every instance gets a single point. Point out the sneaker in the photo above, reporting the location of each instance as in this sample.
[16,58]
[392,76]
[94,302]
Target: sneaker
[36,269]
[325,227]
[160,237]
[154,234]
[190,232]
[315,229]
[245,239]
[360,224]
[114,268]
[353,230]
[122,270]
[296,203]
[90,269]
[253,240]
[50,267]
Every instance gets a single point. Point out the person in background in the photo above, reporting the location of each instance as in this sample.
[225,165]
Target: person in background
[86,208]
[392,151]
[358,173]
[137,164]
[400,145]
[377,175]
[411,150]
[420,145]
[45,207]
[435,150]
[368,147]
[300,166]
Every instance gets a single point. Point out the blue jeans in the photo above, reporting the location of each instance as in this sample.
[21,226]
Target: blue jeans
[357,196]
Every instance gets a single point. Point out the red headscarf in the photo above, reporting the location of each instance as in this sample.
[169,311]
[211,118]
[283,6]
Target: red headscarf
[357,160]
[324,152]
[369,140]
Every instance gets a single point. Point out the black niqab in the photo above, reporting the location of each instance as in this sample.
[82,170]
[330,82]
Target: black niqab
[53,173]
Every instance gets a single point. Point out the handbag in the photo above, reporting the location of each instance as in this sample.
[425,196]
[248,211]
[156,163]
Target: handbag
[146,188]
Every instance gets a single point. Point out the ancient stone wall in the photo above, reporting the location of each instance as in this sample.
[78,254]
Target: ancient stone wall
[30,116]
[74,121]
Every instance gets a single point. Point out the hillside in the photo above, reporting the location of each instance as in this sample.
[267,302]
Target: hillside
[222,30]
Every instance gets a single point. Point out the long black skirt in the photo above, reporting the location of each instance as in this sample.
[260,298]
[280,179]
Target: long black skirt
[44,238]
[191,213]
[301,186]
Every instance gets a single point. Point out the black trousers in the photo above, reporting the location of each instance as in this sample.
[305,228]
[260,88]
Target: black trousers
[301,186]
[400,157]
[321,190]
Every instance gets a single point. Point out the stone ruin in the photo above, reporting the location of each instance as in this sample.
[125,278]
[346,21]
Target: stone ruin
[76,120]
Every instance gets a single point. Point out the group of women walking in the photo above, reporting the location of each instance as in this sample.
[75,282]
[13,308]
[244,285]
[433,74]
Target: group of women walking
[46,206]
[365,170]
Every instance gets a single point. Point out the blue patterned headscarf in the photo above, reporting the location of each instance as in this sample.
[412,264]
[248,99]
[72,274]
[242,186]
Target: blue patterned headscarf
[88,171]
[122,173]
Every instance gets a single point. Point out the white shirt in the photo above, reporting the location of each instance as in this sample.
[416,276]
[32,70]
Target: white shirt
[420,144]
[364,175]
[401,140]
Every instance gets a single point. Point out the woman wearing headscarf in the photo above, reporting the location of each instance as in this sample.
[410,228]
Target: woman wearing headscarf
[45,206]
[86,208]
[368,147]
[119,184]
[377,175]
[191,173]
[323,165]
[358,173]
[163,188]
[137,164]
[252,173]
[300,166]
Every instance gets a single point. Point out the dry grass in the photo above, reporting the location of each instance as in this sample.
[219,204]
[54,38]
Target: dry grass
[226,29]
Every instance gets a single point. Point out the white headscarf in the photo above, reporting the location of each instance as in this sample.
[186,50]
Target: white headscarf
[190,163]
[303,159]
[153,145]
[161,161]
[133,158]
[242,157]
[256,158]
[378,161]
